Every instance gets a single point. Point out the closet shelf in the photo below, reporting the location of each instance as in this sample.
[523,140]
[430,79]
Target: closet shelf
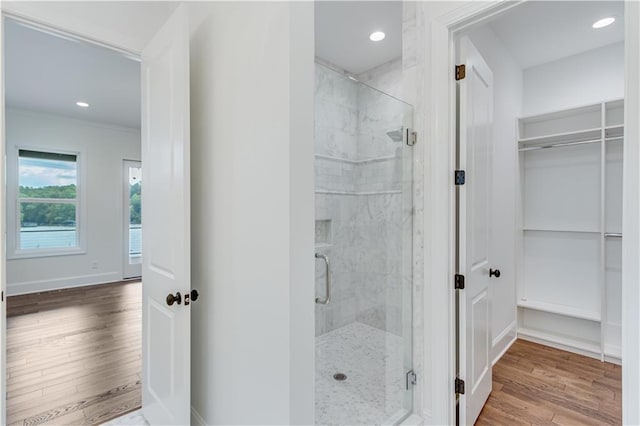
[553,308]
[578,231]
[559,138]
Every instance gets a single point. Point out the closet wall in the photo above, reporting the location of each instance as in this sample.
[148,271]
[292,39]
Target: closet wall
[569,265]
[508,85]
[590,77]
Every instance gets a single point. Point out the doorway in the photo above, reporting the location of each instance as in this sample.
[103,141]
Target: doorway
[163,139]
[540,213]
[74,340]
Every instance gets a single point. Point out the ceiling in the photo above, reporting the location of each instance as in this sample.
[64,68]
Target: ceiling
[342,30]
[126,24]
[47,73]
[538,32]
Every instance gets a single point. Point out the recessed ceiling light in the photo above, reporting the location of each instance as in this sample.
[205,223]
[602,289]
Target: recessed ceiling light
[82,104]
[604,22]
[377,36]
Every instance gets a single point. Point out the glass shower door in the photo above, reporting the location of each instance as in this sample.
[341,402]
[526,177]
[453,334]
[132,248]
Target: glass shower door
[364,224]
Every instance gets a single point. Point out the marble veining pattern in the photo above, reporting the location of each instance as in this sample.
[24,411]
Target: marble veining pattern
[373,392]
[134,418]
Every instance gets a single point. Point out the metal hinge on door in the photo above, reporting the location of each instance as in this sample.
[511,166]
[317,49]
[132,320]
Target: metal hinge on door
[459,385]
[461,72]
[460,177]
[412,379]
[411,137]
[459,282]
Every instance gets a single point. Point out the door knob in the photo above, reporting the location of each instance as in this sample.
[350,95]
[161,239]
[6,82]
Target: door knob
[494,273]
[171,299]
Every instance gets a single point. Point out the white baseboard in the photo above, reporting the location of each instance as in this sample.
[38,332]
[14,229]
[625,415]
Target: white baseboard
[559,342]
[503,341]
[413,420]
[26,287]
[427,417]
[196,418]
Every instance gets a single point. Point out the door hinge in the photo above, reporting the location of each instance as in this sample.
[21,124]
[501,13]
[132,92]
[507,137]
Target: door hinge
[411,137]
[461,72]
[412,379]
[460,177]
[2,296]
[459,385]
[459,282]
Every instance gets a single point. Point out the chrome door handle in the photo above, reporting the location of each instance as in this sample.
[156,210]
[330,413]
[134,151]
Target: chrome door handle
[327,269]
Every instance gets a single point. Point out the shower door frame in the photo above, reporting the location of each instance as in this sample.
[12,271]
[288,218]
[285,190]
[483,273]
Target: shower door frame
[410,402]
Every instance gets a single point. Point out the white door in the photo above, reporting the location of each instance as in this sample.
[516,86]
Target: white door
[474,156]
[3,232]
[132,219]
[166,335]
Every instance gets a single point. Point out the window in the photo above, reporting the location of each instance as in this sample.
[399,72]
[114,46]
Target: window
[47,201]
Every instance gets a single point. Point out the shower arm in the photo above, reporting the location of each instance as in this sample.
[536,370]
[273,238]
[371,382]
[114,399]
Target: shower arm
[327,298]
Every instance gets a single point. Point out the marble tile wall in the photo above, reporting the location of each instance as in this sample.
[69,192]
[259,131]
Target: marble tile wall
[364,190]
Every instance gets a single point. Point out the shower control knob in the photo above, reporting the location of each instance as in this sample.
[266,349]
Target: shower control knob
[494,273]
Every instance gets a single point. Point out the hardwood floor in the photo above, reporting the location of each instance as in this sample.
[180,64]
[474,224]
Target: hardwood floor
[74,356]
[535,384]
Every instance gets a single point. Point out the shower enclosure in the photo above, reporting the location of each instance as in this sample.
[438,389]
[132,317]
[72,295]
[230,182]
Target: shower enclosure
[364,184]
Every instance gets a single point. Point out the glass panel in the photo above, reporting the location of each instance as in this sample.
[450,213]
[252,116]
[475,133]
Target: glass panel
[364,186]
[47,175]
[135,214]
[47,225]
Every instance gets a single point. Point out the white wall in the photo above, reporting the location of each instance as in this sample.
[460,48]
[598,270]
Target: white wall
[589,77]
[252,212]
[507,77]
[103,149]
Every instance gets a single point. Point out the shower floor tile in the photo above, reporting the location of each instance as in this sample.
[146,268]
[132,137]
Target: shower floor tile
[374,390]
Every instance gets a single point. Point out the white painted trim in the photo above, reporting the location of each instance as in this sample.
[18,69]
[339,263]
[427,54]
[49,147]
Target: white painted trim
[559,342]
[630,222]
[196,418]
[26,287]
[413,420]
[439,163]
[504,350]
[55,30]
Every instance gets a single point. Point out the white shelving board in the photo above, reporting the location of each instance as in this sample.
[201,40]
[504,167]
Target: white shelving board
[571,204]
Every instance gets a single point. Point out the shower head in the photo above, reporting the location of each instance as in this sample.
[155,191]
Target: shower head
[395,135]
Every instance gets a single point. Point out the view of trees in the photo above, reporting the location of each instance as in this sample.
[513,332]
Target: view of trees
[48,214]
[135,194]
[58,214]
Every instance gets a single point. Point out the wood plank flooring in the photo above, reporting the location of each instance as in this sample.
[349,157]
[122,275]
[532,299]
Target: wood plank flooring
[74,356]
[538,385]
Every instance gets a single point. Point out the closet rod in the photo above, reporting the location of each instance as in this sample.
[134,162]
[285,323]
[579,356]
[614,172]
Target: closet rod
[558,145]
[612,235]
[614,139]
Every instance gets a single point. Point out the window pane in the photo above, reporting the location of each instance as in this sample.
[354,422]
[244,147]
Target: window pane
[47,225]
[135,214]
[47,175]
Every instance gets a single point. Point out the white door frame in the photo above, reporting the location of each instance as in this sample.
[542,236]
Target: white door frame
[440,29]
[126,199]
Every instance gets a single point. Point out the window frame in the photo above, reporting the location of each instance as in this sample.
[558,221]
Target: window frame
[13,207]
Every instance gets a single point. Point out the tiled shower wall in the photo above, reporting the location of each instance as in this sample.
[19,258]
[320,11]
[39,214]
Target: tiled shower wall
[361,212]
